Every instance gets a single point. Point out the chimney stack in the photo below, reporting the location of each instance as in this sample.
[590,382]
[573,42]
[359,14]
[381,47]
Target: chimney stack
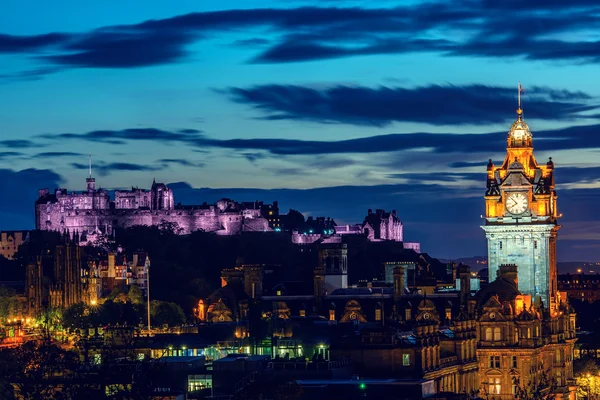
[508,272]
[398,282]
[464,274]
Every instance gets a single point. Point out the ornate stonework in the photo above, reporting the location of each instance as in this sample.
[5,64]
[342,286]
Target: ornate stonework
[521,216]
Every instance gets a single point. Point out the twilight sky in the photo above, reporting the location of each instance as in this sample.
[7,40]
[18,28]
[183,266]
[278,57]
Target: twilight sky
[330,107]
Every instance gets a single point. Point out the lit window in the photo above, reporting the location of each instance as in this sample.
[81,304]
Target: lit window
[378,314]
[497,335]
[448,314]
[406,360]
[279,293]
[407,314]
[303,313]
[488,334]
[332,315]
[494,386]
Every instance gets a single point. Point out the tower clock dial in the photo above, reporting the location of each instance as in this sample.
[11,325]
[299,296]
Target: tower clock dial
[516,203]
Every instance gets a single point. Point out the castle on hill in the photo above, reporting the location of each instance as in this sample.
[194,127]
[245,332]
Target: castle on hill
[93,211]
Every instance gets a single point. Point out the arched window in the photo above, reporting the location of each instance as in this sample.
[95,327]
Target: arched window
[497,335]
[488,334]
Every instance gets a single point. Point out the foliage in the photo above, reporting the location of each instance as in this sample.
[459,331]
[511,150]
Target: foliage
[8,302]
[587,375]
[135,295]
[543,387]
[166,313]
[39,371]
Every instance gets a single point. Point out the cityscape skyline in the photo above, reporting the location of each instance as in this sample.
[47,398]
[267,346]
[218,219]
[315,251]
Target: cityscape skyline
[327,109]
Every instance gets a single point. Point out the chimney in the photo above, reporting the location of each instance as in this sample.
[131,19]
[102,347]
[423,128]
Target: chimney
[253,281]
[398,282]
[508,272]
[464,274]
[319,282]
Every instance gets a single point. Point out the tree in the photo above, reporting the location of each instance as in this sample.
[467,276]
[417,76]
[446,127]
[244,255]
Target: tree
[135,295]
[8,302]
[76,317]
[541,387]
[166,313]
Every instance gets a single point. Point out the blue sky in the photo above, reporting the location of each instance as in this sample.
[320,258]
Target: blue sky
[330,107]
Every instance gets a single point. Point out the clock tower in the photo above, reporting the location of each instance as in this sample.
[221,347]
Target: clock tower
[521,216]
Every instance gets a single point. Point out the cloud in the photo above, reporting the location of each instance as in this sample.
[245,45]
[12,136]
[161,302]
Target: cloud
[574,137]
[57,154]
[119,137]
[459,28]
[181,162]
[18,144]
[104,169]
[16,209]
[433,104]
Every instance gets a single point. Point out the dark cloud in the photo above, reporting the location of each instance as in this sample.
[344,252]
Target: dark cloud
[10,154]
[253,42]
[57,154]
[16,208]
[468,164]
[18,144]
[433,104]
[462,27]
[104,169]
[181,162]
[23,44]
[118,137]
[575,137]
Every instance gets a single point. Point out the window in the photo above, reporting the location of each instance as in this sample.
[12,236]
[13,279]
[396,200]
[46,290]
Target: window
[497,335]
[448,314]
[406,360]
[528,333]
[332,315]
[378,314]
[407,314]
[535,244]
[515,389]
[514,362]
[494,362]
[494,386]
[303,313]
[500,244]
[488,334]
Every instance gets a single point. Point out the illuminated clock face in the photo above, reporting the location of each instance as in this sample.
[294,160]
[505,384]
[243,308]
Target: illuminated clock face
[516,203]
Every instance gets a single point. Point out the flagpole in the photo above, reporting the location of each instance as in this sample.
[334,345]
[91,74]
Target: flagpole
[519,91]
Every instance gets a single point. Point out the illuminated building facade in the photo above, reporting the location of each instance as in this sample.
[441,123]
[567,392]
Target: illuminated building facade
[521,216]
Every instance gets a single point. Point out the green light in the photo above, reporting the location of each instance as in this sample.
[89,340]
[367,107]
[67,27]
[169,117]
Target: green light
[363,386]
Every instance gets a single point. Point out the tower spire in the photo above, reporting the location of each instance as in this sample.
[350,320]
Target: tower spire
[519,90]
[90,162]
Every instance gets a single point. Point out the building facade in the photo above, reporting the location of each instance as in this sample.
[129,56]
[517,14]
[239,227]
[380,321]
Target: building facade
[93,211]
[10,241]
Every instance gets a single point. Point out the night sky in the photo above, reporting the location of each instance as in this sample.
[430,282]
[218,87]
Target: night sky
[330,107]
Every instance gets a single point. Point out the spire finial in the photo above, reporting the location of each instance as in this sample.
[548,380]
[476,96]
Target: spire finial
[90,162]
[519,90]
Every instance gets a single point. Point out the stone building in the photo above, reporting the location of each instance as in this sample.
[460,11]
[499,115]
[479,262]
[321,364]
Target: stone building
[10,241]
[93,211]
[580,286]
[521,340]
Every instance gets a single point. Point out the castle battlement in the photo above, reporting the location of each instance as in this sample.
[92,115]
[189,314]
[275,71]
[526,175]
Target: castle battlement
[94,211]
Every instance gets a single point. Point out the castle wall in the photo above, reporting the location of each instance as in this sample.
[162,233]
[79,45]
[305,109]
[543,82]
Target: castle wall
[53,217]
